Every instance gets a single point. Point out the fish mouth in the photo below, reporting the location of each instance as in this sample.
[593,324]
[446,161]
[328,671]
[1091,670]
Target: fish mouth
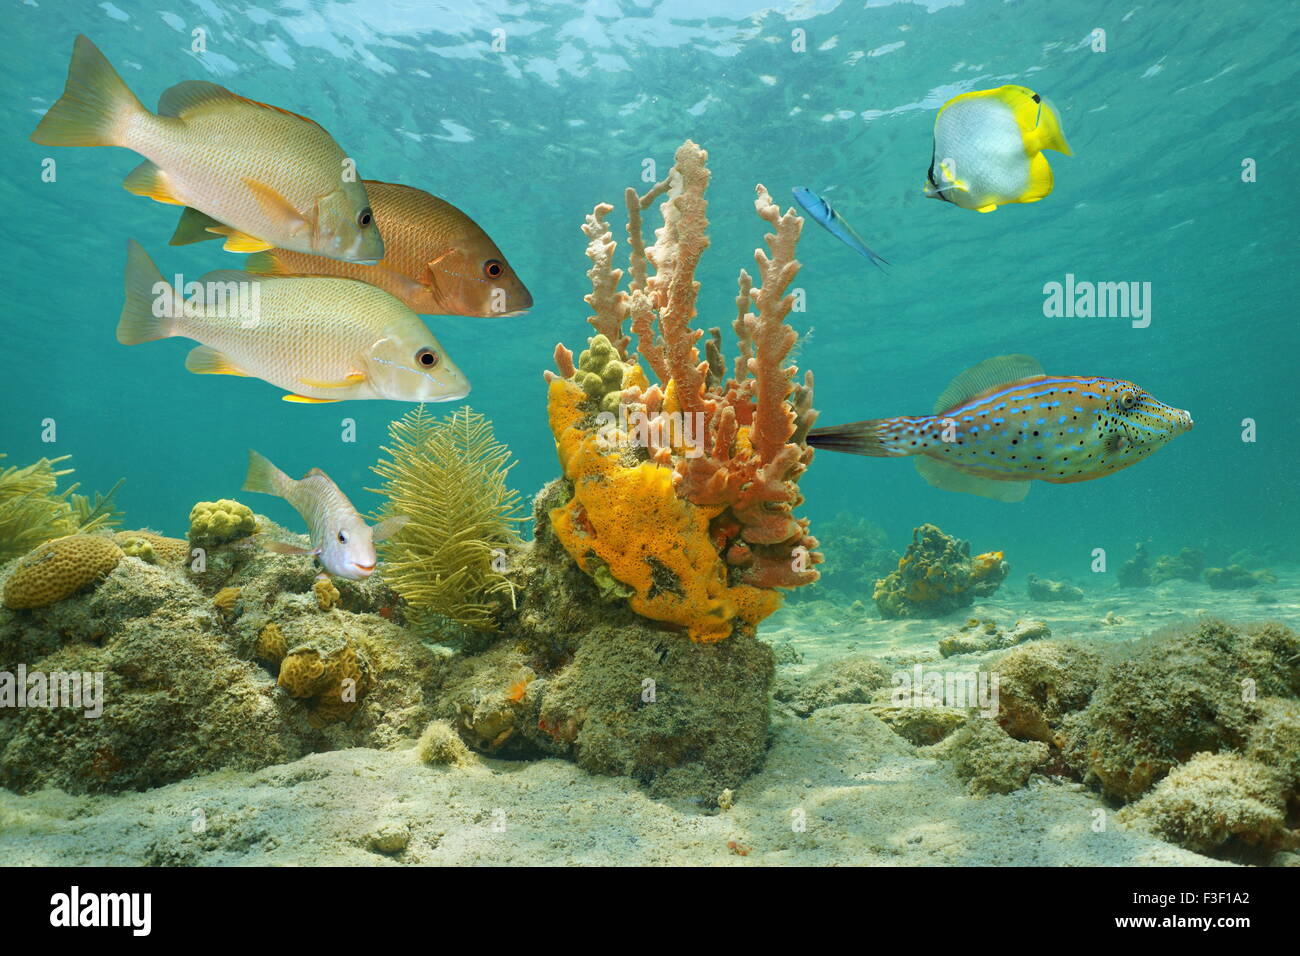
[363,568]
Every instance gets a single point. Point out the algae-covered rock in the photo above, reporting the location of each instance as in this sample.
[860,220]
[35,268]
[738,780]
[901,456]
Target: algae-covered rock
[182,690]
[847,680]
[1186,565]
[1178,694]
[978,635]
[922,725]
[1136,571]
[1039,684]
[681,717]
[1041,589]
[990,760]
[1216,802]
[441,745]
[937,576]
[1236,578]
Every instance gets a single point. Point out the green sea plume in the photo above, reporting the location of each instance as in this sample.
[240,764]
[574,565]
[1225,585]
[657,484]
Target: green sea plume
[448,477]
[33,510]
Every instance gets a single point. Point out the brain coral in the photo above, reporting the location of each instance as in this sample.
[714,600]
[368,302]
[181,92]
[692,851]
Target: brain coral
[333,674]
[59,569]
[214,523]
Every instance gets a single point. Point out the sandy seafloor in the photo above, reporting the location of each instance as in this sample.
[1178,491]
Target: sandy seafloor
[866,795]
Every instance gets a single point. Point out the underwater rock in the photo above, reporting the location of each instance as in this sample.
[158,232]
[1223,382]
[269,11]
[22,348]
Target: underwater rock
[1184,566]
[483,701]
[921,725]
[852,679]
[989,759]
[1217,802]
[978,635]
[938,576]
[1039,684]
[1274,741]
[1136,571]
[58,569]
[1177,694]
[176,669]
[440,745]
[1041,589]
[1235,578]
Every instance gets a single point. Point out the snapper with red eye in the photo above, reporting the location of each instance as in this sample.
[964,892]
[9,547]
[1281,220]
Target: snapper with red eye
[437,260]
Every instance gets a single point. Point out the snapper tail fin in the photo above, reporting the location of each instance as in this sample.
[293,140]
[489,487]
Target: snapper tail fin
[872,438]
[139,321]
[264,478]
[95,106]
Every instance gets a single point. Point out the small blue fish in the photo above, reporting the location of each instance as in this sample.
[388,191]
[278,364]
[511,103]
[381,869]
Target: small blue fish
[821,210]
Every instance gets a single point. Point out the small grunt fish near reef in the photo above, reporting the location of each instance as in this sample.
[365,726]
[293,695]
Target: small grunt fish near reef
[988,149]
[321,340]
[821,211]
[1004,423]
[340,538]
[265,176]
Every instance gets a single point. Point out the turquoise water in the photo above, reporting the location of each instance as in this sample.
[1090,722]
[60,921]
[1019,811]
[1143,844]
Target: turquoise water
[527,140]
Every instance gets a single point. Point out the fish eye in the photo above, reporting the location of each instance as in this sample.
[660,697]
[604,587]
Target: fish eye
[493,269]
[343,537]
[1128,401]
[365,218]
[428,358]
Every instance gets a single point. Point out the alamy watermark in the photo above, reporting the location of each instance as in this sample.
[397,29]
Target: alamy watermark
[676,430]
[963,689]
[234,299]
[1084,299]
[75,690]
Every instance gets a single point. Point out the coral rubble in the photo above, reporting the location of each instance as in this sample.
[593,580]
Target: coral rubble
[978,635]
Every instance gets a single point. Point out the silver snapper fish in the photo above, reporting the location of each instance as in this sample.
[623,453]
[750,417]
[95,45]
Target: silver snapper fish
[340,538]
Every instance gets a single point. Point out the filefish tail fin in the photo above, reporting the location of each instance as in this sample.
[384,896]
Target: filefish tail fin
[138,322]
[95,105]
[193,226]
[870,438]
[264,478]
[940,475]
[1048,134]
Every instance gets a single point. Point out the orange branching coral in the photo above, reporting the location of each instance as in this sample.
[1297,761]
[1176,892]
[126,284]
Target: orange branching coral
[684,490]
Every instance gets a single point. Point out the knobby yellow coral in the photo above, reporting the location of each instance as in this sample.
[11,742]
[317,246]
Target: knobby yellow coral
[59,569]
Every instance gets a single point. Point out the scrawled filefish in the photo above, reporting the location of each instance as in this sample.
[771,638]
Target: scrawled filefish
[321,340]
[340,538]
[1004,423]
[265,176]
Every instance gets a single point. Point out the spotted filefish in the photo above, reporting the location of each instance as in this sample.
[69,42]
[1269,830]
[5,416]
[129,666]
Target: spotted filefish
[340,538]
[1004,423]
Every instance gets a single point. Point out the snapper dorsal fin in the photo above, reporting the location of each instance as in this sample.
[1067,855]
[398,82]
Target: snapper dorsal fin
[988,374]
[192,96]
